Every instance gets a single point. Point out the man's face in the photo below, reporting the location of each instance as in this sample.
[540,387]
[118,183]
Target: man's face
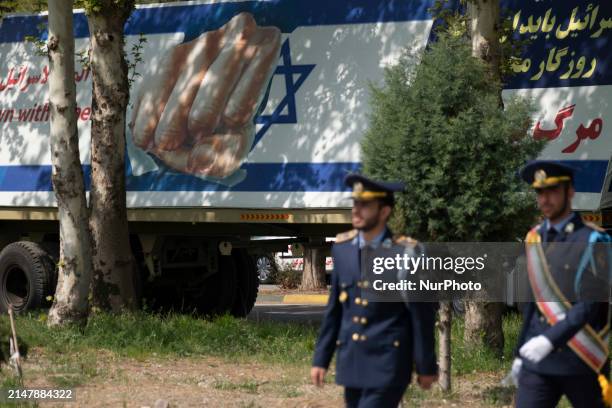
[367,214]
[551,200]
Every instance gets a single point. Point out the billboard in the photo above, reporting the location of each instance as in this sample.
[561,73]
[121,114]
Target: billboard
[261,104]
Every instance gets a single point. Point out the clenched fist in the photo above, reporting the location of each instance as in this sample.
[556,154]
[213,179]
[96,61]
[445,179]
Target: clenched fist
[196,113]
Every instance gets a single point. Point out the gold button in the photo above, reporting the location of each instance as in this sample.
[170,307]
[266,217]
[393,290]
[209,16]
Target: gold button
[358,284]
[364,302]
[355,337]
[396,343]
[364,320]
[357,300]
[355,319]
[343,296]
[337,342]
[363,337]
[365,283]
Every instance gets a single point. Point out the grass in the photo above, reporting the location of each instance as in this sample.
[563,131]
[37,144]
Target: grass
[74,351]
[11,381]
[467,359]
[245,386]
[140,335]
[69,371]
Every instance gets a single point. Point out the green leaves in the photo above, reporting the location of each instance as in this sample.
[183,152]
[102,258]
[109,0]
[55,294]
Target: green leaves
[438,127]
[108,6]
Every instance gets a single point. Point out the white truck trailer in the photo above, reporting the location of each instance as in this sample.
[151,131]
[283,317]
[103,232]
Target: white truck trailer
[244,119]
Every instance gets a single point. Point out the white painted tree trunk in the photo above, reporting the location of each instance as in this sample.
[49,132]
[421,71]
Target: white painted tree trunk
[484,25]
[71,295]
[444,346]
[113,287]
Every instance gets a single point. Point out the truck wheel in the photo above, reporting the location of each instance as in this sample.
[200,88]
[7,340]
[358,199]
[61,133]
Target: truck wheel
[247,285]
[27,274]
[266,268]
[219,292]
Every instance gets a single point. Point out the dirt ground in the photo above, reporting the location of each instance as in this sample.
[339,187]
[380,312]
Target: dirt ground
[109,381]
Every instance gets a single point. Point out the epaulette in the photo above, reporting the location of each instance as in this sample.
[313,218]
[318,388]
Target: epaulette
[346,236]
[533,230]
[405,240]
[594,226]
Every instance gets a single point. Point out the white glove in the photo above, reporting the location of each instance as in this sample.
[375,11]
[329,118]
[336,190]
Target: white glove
[536,349]
[516,369]
[512,377]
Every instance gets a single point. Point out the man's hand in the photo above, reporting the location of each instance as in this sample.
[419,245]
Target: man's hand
[317,375]
[516,370]
[196,112]
[511,379]
[425,381]
[536,349]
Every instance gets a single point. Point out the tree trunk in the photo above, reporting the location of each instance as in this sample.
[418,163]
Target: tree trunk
[483,320]
[74,276]
[484,19]
[313,276]
[113,287]
[483,325]
[444,345]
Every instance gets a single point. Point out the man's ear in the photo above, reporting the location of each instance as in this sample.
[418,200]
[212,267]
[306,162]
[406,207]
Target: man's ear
[385,211]
[571,191]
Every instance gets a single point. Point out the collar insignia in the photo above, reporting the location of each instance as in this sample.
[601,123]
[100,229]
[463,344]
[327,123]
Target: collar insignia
[387,243]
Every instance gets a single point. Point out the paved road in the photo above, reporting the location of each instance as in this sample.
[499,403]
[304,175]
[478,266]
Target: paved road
[308,314]
[268,287]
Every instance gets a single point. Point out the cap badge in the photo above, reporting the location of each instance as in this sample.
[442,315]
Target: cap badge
[540,175]
[358,187]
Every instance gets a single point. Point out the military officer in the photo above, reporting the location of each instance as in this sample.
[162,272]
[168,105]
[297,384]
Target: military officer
[563,344]
[376,343]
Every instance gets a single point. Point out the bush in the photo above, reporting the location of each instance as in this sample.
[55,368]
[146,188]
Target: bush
[288,278]
[437,126]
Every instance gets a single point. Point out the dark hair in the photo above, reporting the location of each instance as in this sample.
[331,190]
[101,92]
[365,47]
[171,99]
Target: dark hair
[388,201]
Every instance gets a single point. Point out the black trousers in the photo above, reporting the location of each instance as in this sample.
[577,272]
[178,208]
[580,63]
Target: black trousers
[544,391]
[373,397]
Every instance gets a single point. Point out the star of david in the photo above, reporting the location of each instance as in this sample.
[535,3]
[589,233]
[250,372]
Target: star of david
[292,84]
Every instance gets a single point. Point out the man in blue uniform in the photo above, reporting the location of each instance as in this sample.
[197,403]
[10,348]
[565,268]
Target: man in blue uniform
[376,342]
[563,345]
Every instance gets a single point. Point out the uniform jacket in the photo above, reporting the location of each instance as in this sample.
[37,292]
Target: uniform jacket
[376,343]
[562,360]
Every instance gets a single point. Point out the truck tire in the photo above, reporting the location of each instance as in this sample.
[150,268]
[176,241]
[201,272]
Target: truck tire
[247,285]
[27,273]
[219,292]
